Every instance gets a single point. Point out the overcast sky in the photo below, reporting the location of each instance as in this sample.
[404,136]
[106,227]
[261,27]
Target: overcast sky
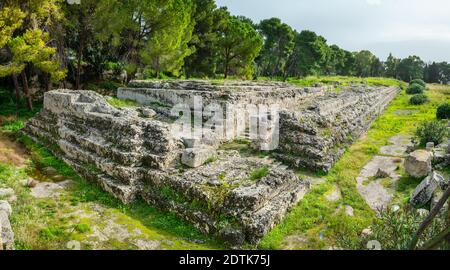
[403,27]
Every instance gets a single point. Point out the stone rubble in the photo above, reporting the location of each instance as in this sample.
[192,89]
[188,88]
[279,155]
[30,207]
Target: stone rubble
[418,163]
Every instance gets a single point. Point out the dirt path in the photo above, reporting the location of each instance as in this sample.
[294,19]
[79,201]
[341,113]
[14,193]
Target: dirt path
[12,152]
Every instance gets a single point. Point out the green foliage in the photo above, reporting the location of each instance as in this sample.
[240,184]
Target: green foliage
[443,111]
[111,86]
[209,22]
[120,103]
[364,62]
[437,73]
[345,81]
[82,228]
[418,99]
[154,33]
[394,229]
[392,66]
[415,89]
[419,82]
[310,54]
[432,131]
[278,46]
[239,45]
[410,68]
[5,96]
[31,47]
[259,173]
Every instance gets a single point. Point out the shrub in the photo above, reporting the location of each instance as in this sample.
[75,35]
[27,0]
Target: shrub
[259,173]
[419,82]
[394,230]
[110,85]
[432,131]
[415,89]
[418,99]
[443,111]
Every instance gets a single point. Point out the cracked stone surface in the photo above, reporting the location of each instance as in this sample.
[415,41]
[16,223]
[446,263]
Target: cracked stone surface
[49,190]
[372,190]
[399,146]
[406,112]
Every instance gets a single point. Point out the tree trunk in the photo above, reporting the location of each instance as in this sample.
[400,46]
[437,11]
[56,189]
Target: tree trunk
[46,80]
[26,90]
[78,75]
[16,87]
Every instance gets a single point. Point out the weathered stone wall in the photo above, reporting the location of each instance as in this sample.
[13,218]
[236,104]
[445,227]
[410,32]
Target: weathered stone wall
[316,134]
[232,92]
[133,157]
[90,134]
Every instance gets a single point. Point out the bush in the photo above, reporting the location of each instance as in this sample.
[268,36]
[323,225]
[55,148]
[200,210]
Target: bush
[443,111]
[415,89]
[394,230]
[418,99]
[433,131]
[110,86]
[419,82]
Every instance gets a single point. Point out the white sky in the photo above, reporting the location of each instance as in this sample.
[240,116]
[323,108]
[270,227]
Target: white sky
[403,27]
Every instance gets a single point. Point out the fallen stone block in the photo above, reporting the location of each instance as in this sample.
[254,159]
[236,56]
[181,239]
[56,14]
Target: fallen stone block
[424,191]
[196,157]
[418,163]
[147,112]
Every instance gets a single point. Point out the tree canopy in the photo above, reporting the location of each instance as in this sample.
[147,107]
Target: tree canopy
[76,44]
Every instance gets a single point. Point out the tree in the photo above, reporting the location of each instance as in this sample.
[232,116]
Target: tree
[437,73]
[336,62]
[26,38]
[377,68]
[209,20]
[349,64]
[392,66]
[239,44]
[363,63]
[149,35]
[278,46]
[411,68]
[311,53]
[80,27]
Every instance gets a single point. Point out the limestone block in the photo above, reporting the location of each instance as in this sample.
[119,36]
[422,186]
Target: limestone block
[418,163]
[196,157]
[424,191]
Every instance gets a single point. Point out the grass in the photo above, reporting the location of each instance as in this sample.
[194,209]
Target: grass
[119,103]
[259,173]
[343,81]
[315,218]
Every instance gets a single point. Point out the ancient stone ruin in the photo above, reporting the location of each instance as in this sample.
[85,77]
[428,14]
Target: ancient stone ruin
[134,153]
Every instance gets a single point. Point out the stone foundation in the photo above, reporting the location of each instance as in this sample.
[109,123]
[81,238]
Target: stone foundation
[316,134]
[135,155]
